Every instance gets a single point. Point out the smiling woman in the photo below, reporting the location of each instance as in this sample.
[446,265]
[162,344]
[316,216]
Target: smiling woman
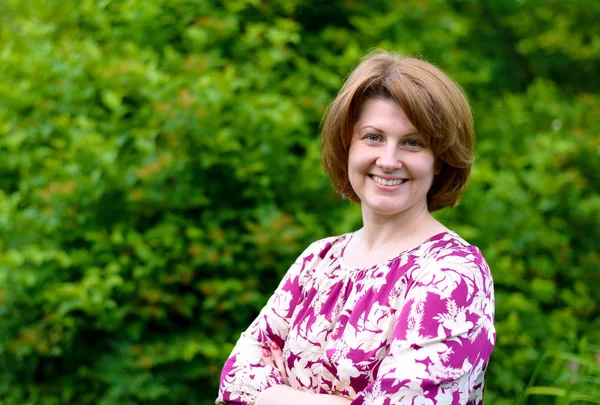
[400,311]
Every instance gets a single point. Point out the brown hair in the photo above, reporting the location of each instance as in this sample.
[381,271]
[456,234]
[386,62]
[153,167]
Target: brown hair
[435,105]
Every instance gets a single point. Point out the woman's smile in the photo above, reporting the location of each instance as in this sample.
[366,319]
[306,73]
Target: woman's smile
[387,182]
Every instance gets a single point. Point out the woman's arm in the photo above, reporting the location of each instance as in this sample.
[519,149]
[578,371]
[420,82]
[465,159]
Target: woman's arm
[244,377]
[443,337]
[280,394]
[274,395]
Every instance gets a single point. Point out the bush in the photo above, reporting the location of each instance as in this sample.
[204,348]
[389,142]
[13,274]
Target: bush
[159,164]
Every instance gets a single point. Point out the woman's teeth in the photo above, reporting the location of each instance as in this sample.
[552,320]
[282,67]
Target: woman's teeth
[385,182]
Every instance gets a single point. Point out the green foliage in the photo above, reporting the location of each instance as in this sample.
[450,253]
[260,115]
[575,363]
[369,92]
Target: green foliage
[159,171]
[576,378]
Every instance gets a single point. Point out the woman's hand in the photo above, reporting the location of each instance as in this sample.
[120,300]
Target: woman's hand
[274,357]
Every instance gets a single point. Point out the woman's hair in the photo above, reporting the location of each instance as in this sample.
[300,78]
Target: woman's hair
[435,105]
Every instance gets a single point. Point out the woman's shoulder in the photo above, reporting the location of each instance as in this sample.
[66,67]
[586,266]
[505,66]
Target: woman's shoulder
[448,250]
[320,253]
[453,268]
[327,246]
[447,243]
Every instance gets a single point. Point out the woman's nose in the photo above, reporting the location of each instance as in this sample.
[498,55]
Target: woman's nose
[389,160]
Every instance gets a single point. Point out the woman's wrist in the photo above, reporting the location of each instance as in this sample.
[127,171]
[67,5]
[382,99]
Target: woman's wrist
[273,396]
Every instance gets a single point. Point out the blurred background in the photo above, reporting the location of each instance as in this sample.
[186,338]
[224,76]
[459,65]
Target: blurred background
[159,172]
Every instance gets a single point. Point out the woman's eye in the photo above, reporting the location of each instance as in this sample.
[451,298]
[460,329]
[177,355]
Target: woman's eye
[413,143]
[373,138]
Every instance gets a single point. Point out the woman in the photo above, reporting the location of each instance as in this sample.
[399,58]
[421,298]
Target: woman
[402,310]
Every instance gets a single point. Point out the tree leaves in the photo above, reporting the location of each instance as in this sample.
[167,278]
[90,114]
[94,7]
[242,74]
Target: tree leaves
[159,171]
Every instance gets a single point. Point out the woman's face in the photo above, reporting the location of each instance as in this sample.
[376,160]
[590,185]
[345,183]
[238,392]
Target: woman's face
[390,166]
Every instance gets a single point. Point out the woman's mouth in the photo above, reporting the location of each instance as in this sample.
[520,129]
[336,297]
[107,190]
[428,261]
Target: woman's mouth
[387,182]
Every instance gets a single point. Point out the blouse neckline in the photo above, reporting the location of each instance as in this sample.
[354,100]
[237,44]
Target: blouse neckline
[349,236]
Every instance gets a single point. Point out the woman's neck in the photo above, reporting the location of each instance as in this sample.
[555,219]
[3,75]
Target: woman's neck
[400,231]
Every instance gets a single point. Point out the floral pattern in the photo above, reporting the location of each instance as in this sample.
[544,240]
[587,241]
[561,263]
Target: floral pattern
[418,329]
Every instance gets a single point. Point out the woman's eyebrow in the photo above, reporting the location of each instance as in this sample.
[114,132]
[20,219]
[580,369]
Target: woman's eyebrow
[372,127]
[415,132]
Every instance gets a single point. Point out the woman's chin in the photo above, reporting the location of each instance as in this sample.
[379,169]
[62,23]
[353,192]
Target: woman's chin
[382,209]
[387,207]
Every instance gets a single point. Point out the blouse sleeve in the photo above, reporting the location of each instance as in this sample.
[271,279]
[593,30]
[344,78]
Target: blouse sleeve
[243,378]
[443,339]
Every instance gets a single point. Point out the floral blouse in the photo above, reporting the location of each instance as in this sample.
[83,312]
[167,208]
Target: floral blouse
[417,329]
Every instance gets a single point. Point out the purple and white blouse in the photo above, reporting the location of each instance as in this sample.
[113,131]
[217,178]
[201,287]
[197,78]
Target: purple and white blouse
[417,329]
